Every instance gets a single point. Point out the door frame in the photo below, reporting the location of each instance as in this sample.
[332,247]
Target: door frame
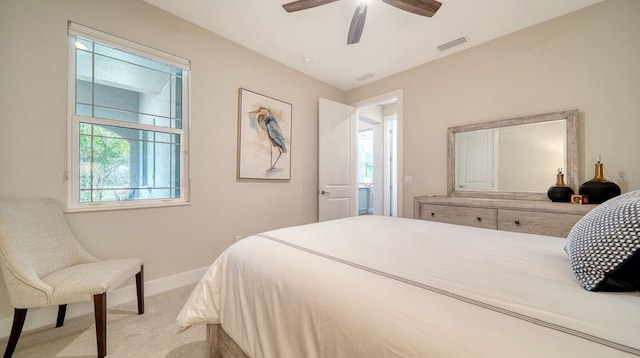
[397,95]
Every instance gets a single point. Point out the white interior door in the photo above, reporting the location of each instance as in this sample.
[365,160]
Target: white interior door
[337,180]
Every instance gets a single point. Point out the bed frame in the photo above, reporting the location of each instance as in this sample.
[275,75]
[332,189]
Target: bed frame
[220,345]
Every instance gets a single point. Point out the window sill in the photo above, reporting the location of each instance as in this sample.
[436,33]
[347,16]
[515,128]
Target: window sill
[108,206]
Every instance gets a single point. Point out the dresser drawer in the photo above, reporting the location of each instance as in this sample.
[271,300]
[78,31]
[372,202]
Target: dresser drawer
[460,215]
[534,222]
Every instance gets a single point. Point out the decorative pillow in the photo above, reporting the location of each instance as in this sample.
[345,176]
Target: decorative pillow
[604,246]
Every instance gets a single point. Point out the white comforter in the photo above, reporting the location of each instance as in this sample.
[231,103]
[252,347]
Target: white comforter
[374,286]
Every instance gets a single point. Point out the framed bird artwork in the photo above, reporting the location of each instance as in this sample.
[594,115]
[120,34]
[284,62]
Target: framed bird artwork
[264,137]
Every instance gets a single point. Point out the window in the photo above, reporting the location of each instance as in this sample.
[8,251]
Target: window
[128,123]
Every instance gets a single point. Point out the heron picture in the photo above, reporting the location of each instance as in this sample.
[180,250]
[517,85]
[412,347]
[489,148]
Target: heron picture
[264,137]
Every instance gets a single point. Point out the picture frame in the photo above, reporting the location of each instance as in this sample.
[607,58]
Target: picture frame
[264,137]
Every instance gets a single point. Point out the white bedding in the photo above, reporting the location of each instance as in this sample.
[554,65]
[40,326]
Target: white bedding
[375,286]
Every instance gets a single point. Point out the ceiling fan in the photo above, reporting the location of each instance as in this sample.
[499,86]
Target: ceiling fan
[420,7]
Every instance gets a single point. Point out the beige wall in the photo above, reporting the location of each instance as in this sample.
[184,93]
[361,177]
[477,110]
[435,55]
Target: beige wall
[33,115]
[589,60]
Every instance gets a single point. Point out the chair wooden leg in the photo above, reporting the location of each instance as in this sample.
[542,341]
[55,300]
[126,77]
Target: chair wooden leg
[140,289]
[19,316]
[100,310]
[62,311]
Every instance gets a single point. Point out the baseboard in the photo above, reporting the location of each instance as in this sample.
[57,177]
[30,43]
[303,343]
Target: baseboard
[41,317]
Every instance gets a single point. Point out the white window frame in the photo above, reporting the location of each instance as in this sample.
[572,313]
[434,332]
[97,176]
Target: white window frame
[73,131]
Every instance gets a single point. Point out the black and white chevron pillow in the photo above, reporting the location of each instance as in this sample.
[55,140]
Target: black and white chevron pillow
[604,246]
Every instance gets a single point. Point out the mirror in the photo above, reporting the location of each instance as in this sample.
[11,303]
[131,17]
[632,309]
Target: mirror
[513,158]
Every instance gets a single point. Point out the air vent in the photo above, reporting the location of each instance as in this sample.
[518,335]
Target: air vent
[366,76]
[453,43]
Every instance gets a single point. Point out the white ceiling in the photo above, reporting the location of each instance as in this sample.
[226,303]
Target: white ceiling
[393,40]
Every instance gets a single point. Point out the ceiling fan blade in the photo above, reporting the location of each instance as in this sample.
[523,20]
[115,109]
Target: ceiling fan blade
[420,7]
[304,4]
[357,25]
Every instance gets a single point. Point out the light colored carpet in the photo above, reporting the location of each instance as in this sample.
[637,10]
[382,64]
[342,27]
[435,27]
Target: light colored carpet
[129,335]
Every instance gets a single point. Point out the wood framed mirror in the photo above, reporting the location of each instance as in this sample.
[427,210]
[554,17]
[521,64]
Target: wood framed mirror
[515,158]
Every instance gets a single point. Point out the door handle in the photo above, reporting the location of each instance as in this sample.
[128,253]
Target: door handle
[325,192]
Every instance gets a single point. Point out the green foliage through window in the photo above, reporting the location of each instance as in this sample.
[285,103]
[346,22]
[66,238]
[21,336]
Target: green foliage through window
[104,164]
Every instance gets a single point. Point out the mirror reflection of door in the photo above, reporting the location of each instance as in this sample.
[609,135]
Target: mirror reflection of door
[476,169]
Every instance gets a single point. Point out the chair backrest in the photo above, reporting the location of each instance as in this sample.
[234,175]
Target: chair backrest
[34,236]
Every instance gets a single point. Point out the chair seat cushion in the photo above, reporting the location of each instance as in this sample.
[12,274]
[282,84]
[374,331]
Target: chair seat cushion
[81,282]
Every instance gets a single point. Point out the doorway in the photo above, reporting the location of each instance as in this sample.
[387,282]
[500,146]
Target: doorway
[338,157]
[377,159]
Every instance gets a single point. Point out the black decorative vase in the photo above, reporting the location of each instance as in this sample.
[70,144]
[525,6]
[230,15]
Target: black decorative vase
[560,192]
[599,189]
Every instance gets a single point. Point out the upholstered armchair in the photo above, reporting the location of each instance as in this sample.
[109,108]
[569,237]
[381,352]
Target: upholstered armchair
[44,265]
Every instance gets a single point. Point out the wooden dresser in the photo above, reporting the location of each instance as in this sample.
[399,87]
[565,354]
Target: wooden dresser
[529,216]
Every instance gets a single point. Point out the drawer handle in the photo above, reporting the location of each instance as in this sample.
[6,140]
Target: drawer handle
[479,219]
[517,222]
[433,214]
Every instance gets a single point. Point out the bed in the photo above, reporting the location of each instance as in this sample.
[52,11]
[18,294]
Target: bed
[374,286]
